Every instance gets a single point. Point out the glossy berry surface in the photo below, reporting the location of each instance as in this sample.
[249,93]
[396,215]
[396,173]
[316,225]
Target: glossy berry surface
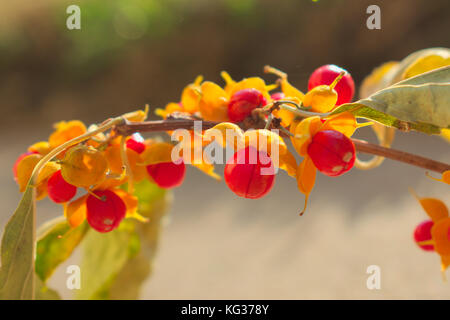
[277,96]
[325,75]
[106,213]
[332,152]
[423,233]
[136,143]
[167,174]
[59,190]
[250,173]
[243,102]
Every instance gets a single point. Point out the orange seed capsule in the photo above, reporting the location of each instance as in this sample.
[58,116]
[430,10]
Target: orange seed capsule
[84,166]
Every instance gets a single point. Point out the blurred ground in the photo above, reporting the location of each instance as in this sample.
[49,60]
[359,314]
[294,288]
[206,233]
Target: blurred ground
[217,245]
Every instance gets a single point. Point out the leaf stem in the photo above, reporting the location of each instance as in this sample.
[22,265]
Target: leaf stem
[303,112]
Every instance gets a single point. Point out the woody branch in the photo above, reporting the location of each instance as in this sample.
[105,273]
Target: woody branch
[362,146]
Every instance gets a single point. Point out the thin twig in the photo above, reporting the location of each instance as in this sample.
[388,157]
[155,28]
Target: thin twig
[129,128]
[393,154]
[362,146]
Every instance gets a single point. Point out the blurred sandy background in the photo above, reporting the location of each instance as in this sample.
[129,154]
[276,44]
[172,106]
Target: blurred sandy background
[217,245]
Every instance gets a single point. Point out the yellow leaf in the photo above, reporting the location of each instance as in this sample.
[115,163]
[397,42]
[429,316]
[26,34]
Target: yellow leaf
[377,79]
[426,63]
[399,72]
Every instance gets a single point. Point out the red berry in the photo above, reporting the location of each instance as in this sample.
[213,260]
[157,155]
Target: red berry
[106,213]
[250,173]
[277,96]
[59,190]
[423,233]
[243,102]
[136,143]
[167,174]
[325,75]
[332,152]
[23,155]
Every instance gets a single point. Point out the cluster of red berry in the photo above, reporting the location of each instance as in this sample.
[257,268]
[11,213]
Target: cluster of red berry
[104,163]
[95,167]
[243,102]
[331,151]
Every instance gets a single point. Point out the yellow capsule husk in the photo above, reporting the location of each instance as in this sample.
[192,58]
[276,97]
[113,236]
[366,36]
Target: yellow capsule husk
[321,99]
[84,166]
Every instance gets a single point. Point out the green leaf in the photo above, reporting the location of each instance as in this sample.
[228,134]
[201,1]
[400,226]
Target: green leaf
[56,245]
[127,284]
[104,255]
[47,226]
[153,204]
[17,251]
[123,259]
[414,103]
